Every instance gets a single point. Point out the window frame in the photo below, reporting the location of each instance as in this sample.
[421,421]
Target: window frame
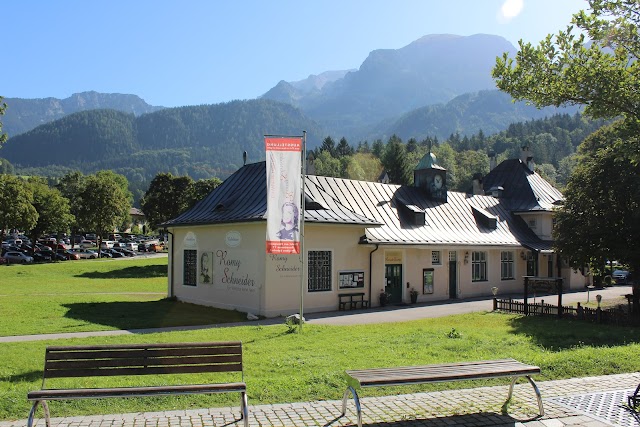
[479,266]
[436,258]
[190,267]
[322,280]
[507,264]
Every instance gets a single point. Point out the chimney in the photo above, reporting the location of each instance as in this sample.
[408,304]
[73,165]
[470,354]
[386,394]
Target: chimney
[526,157]
[493,160]
[477,185]
[311,167]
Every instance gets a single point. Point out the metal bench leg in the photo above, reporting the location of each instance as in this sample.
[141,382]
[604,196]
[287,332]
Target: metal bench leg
[357,402]
[535,388]
[634,399]
[32,413]
[244,408]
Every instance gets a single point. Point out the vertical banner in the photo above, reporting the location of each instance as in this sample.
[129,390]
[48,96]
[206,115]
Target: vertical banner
[284,164]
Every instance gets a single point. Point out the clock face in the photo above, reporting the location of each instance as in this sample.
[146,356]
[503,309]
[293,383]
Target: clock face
[437,181]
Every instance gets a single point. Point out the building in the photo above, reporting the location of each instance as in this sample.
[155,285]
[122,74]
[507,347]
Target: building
[368,237]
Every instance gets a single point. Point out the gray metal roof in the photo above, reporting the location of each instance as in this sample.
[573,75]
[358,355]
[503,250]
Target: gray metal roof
[524,190]
[455,222]
[243,198]
[389,214]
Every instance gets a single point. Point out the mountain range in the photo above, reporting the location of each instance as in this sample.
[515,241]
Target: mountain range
[435,86]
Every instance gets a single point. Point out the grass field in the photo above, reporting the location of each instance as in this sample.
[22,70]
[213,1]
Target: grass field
[93,295]
[290,367]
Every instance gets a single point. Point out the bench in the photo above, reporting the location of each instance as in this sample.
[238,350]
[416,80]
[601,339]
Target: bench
[357,379]
[352,300]
[140,359]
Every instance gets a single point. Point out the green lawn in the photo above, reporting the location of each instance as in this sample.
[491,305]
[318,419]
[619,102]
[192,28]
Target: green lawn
[93,295]
[279,366]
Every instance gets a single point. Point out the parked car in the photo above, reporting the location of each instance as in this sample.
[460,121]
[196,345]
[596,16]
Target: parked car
[16,257]
[41,256]
[155,247]
[68,254]
[622,277]
[87,244]
[125,251]
[86,253]
[114,253]
[106,244]
[104,254]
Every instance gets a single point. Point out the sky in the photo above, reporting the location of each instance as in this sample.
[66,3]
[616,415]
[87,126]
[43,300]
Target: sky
[192,52]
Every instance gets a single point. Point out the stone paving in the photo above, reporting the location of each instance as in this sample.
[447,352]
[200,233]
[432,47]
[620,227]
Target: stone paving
[564,404]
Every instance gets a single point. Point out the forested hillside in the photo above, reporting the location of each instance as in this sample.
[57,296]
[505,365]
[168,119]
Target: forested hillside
[22,115]
[552,140]
[491,111]
[201,141]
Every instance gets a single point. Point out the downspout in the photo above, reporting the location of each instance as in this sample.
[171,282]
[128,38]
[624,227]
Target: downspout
[370,273]
[171,258]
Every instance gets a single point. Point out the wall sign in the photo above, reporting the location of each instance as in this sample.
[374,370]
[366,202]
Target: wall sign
[190,240]
[233,238]
[393,257]
[351,279]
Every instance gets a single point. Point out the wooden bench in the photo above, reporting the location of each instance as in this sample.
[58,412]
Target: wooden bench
[352,300]
[141,359]
[438,373]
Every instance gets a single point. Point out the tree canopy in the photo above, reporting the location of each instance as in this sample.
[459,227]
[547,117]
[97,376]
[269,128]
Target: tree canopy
[105,202]
[591,63]
[16,204]
[3,107]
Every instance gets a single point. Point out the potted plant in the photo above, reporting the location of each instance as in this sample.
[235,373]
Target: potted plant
[385,297]
[413,294]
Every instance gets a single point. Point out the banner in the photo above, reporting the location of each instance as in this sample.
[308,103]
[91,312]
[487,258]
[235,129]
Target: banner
[284,164]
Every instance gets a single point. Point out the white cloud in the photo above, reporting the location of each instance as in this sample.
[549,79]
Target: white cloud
[510,9]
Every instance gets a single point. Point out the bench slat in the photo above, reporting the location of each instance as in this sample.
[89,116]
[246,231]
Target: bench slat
[129,353]
[142,362]
[156,370]
[83,393]
[438,373]
[145,346]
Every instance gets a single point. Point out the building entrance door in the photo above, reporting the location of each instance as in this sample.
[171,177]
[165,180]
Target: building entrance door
[453,275]
[393,280]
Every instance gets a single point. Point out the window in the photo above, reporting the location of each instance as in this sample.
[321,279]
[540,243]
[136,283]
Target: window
[319,271]
[478,266]
[435,257]
[427,281]
[533,223]
[190,270]
[506,265]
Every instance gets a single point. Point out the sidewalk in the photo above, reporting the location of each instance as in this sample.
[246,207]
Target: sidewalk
[584,402]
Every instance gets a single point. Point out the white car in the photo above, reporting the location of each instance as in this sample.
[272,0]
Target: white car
[87,244]
[86,253]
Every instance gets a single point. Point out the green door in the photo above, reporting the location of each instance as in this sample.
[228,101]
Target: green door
[393,280]
[453,275]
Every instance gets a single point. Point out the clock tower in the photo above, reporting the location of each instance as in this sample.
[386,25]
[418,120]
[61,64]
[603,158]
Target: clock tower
[431,177]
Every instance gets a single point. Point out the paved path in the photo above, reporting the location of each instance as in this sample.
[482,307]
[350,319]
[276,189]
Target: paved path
[584,402]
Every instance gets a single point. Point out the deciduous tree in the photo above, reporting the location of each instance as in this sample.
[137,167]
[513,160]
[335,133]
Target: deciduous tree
[592,63]
[16,204]
[105,202]
[167,197]
[600,219]
[53,209]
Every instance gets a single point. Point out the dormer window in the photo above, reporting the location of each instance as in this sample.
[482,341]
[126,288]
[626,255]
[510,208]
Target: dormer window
[533,223]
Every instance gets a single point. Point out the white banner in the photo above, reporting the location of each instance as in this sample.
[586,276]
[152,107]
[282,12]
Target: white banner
[284,163]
